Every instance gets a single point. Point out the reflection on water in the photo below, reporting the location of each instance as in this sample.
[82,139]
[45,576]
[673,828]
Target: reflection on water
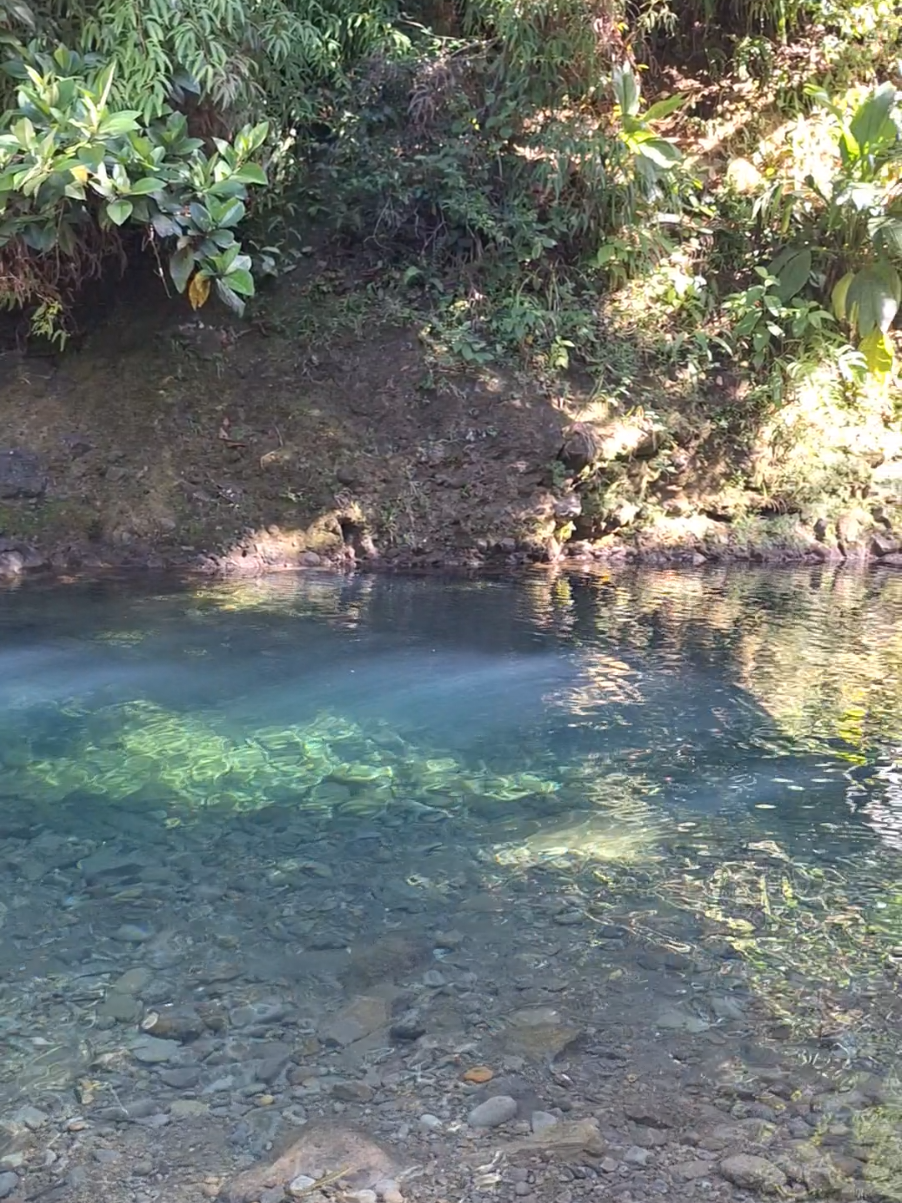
[680,791]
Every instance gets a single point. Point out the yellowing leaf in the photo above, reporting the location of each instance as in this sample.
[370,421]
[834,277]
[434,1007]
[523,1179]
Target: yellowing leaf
[878,354]
[198,290]
[80,173]
[840,292]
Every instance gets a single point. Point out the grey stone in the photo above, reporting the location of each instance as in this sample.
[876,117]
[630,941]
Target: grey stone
[181,1077]
[352,1092]
[494,1111]
[430,1123]
[541,1121]
[433,979]
[753,1173]
[366,1014]
[133,933]
[109,865]
[22,474]
[636,1156]
[149,1050]
[122,1008]
[8,1183]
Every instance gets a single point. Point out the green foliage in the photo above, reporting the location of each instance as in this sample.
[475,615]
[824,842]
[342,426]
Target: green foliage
[74,171]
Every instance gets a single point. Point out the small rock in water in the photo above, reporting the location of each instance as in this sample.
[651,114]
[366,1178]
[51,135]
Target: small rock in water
[408,1027]
[568,918]
[121,1008]
[433,978]
[359,1018]
[676,1020]
[494,1111]
[8,1183]
[753,1173]
[31,1117]
[430,1123]
[636,1156]
[133,933]
[301,1184]
[152,1051]
[352,1092]
[181,1077]
[542,1121]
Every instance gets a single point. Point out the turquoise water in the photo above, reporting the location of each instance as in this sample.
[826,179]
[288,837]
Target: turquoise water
[659,804]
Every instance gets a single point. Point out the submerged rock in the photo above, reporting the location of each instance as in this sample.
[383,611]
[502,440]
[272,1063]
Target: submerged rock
[320,1151]
[22,474]
[494,1111]
[753,1173]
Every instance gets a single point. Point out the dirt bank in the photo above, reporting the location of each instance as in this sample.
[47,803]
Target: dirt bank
[325,432]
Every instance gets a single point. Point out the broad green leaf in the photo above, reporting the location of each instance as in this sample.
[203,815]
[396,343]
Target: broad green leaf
[663,108]
[626,90]
[241,281]
[181,264]
[230,298]
[232,213]
[871,124]
[119,211]
[840,295]
[873,298]
[119,123]
[878,354]
[248,173]
[146,186]
[165,227]
[887,236]
[659,151]
[200,215]
[792,267]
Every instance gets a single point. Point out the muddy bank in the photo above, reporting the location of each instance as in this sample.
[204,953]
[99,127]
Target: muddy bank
[165,441]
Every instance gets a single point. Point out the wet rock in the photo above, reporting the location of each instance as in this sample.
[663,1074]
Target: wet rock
[566,1138]
[109,865]
[189,1109]
[174,1023]
[22,474]
[366,1014]
[133,933]
[407,1027]
[127,1112]
[133,981]
[542,1121]
[384,960]
[494,1111]
[649,1114]
[8,1183]
[181,1077]
[319,1150]
[260,1014]
[753,1173]
[150,1050]
[121,1008]
[539,1033]
[352,1092]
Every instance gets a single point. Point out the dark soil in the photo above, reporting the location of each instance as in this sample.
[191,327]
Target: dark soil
[326,433]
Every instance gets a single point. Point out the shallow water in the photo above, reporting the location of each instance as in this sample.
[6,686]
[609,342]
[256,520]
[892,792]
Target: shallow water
[658,813]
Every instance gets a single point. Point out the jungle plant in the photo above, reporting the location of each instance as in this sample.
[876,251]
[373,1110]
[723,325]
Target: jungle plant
[77,174]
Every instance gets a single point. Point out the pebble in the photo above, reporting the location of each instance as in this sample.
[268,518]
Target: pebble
[133,933]
[8,1183]
[494,1111]
[188,1109]
[301,1184]
[433,979]
[542,1121]
[430,1123]
[150,1050]
[636,1156]
[352,1092]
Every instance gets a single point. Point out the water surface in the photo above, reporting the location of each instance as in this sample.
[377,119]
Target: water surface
[664,807]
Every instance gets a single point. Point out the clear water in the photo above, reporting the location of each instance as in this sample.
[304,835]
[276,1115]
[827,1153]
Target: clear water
[664,807]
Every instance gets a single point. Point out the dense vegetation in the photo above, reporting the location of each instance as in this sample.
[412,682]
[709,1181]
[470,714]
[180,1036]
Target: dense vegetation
[642,187]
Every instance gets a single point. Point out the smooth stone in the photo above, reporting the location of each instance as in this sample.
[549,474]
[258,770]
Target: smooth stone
[31,1117]
[133,933]
[636,1156]
[430,1123]
[542,1121]
[188,1109]
[8,1183]
[121,1008]
[433,979]
[494,1111]
[753,1173]
[181,1077]
[301,1184]
[352,1092]
[150,1050]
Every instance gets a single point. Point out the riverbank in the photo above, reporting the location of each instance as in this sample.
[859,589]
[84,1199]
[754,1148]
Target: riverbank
[335,430]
